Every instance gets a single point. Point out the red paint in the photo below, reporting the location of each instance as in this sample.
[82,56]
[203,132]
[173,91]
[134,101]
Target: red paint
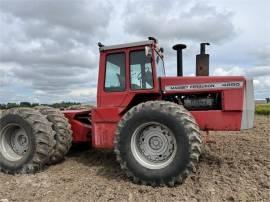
[233,99]
[218,120]
[81,132]
[105,136]
[111,106]
[105,121]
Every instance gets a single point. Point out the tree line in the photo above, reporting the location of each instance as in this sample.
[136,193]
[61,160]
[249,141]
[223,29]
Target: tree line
[60,105]
[28,104]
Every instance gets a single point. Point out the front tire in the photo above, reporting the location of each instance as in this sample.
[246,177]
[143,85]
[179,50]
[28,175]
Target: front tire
[158,143]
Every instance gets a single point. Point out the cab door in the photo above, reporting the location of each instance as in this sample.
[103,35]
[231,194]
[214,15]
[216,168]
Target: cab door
[112,79]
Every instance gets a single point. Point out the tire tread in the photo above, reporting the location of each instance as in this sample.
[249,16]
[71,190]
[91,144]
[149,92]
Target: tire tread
[63,133]
[190,126]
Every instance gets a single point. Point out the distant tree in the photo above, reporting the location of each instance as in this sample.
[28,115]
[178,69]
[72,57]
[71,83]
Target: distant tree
[63,105]
[11,105]
[3,106]
[25,104]
[60,105]
[34,104]
[267,100]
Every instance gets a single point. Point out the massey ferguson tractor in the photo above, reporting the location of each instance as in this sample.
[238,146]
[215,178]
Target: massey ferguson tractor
[151,121]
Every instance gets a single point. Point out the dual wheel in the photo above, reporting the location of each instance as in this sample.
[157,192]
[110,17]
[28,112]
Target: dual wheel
[32,138]
[157,143]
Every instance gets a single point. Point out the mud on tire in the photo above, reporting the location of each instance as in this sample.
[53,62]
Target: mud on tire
[63,133]
[167,148]
[26,141]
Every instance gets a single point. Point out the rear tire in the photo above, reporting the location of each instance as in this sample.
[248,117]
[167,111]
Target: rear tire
[26,141]
[63,133]
[158,143]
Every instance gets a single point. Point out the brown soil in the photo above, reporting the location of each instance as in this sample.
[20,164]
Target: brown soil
[235,168]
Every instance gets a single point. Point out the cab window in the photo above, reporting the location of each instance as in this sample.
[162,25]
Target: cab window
[159,65]
[115,72]
[140,71]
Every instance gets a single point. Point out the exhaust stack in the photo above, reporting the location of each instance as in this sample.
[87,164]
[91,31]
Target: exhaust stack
[179,48]
[202,62]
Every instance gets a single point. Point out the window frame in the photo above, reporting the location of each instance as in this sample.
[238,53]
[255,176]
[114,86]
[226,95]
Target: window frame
[130,76]
[105,73]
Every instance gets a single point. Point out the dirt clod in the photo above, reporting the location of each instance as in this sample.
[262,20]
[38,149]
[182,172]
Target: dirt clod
[235,168]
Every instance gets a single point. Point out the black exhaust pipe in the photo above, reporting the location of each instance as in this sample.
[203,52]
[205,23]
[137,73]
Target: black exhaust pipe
[202,62]
[179,48]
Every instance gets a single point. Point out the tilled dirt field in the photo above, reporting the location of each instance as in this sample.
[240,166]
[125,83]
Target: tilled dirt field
[235,168]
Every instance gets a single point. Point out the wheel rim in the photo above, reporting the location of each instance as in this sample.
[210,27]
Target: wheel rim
[14,142]
[153,145]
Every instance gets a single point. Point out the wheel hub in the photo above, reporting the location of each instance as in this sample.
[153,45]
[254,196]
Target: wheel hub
[14,142]
[19,141]
[153,145]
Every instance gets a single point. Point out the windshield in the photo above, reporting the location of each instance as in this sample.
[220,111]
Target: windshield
[159,65]
[140,71]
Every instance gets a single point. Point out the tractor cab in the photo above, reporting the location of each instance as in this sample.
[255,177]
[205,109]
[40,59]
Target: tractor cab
[129,70]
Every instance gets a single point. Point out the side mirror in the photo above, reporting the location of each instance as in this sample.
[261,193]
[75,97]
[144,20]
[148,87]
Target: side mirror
[148,51]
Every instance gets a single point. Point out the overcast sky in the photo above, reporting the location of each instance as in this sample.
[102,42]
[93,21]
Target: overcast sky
[49,53]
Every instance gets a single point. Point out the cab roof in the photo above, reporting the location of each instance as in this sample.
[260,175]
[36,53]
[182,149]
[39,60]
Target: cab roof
[127,45]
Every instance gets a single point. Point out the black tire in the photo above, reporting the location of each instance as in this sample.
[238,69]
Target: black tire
[187,138]
[63,133]
[38,138]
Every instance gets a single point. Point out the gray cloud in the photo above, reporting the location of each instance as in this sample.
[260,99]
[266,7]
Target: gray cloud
[49,81]
[5,78]
[48,54]
[50,46]
[263,54]
[170,20]
[258,71]
[259,74]
[76,15]
[39,32]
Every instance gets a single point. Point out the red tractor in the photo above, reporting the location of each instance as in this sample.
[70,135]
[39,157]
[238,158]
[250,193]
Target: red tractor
[152,122]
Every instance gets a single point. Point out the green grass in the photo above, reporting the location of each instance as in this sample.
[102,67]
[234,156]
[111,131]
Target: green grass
[262,109]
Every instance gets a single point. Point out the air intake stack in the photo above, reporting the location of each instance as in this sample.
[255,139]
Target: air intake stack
[202,62]
[179,48]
